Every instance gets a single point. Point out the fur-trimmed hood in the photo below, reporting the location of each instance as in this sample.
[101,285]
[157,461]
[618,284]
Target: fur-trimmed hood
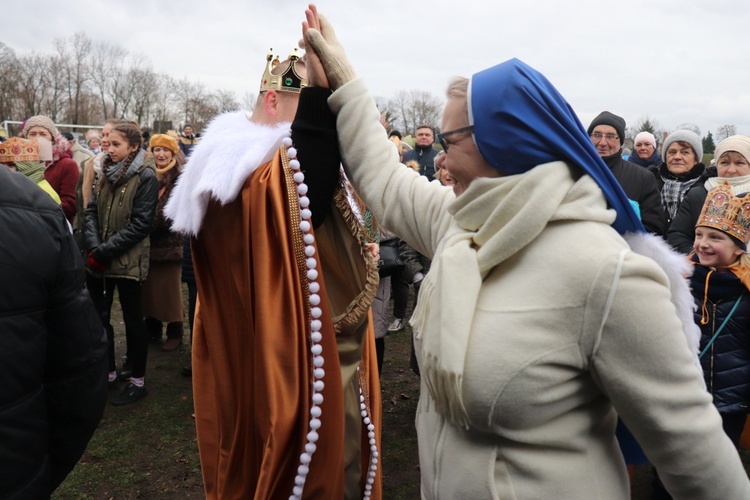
[231,149]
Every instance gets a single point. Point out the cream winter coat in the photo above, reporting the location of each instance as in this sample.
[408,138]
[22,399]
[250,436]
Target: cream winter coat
[547,362]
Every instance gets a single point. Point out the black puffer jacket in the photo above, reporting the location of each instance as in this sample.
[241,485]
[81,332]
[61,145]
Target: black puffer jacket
[726,364]
[640,186]
[52,345]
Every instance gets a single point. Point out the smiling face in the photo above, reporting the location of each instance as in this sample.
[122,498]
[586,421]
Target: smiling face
[463,163]
[119,148]
[644,149]
[715,248]
[162,156]
[680,158]
[732,164]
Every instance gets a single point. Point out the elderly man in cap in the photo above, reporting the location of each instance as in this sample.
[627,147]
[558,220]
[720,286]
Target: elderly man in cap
[607,132]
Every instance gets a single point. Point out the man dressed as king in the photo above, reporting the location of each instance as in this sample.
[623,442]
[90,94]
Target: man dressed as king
[285,383]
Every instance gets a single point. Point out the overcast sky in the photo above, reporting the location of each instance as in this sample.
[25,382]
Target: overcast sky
[675,61]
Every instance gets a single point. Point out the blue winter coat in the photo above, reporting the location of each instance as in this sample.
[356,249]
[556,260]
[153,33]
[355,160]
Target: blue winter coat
[726,364]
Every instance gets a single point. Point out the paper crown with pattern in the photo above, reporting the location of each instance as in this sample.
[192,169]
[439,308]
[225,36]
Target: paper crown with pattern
[289,81]
[16,149]
[726,212]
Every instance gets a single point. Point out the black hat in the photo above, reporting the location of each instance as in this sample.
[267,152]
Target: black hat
[611,119]
[396,133]
[68,136]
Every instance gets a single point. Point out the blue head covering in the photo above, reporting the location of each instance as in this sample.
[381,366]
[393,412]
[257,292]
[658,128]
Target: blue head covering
[520,121]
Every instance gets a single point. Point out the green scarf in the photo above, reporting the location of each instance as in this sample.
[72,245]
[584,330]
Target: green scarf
[34,170]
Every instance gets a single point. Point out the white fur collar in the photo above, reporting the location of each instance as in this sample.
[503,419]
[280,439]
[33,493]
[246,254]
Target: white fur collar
[231,149]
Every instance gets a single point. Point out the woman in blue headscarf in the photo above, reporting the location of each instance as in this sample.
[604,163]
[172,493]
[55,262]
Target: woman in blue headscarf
[537,324]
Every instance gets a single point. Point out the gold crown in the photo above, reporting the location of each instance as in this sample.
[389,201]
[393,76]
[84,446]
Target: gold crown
[289,81]
[726,212]
[16,149]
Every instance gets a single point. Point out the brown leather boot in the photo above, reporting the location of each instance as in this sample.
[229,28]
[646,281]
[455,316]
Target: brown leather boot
[174,337]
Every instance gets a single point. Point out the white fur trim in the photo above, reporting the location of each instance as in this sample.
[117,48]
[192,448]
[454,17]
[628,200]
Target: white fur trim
[231,149]
[678,269]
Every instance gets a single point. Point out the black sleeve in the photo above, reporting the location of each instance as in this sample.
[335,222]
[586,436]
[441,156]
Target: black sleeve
[91,223]
[315,138]
[652,213]
[75,380]
[141,222]
[681,234]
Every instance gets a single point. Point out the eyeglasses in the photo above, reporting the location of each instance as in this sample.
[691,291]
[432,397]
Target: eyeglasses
[597,136]
[441,137]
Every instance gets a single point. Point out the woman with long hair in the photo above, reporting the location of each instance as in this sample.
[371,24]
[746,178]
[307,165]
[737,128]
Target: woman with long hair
[119,218]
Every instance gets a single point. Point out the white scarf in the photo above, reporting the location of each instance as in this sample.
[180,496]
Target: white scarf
[740,185]
[499,217]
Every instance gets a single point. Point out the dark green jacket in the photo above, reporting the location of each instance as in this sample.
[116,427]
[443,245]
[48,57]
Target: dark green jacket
[119,220]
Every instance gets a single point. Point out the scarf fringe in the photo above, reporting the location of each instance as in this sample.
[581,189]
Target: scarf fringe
[445,391]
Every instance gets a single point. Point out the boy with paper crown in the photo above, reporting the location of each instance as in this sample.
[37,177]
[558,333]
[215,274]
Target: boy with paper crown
[720,285]
[23,156]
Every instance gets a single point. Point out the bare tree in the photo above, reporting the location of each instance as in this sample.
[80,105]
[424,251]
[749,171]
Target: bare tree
[225,100]
[689,126]
[106,69]
[9,77]
[415,107]
[247,101]
[644,124]
[32,82]
[74,55]
[725,131]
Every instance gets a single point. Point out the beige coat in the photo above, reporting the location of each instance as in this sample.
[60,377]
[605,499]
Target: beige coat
[545,366]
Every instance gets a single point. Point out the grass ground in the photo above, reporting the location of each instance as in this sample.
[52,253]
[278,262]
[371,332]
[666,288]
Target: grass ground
[148,449]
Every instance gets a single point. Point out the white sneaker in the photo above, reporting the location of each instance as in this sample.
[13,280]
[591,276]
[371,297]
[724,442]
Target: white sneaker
[398,324]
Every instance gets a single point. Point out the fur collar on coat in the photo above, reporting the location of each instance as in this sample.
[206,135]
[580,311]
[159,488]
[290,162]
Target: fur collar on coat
[230,150]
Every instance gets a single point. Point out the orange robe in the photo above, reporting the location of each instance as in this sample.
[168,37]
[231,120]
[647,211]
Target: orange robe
[252,366]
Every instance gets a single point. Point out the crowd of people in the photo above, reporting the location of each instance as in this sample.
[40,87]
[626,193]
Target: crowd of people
[555,334]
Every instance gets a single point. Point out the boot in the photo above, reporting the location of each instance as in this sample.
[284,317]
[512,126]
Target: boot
[174,337]
[153,329]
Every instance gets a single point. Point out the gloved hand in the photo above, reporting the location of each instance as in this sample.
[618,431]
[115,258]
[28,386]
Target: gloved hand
[320,38]
[94,264]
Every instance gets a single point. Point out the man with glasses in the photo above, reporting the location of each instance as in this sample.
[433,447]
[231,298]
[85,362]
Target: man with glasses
[607,132]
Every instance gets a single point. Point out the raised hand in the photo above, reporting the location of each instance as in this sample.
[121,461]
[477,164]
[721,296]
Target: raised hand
[320,40]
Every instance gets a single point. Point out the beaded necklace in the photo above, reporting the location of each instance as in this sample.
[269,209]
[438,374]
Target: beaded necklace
[315,348]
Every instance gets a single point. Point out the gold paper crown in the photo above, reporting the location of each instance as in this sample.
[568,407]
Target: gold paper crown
[289,81]
[726,212]
[16,149]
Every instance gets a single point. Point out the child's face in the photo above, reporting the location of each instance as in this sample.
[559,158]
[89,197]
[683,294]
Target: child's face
[715,248]
[732,164]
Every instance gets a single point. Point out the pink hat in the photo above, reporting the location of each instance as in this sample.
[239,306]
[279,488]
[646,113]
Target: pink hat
[645,137]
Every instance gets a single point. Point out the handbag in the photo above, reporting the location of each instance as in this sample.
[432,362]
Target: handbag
[390,262]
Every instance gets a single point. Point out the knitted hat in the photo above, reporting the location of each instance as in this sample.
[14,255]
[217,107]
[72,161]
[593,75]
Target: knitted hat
[16,149]
[684,136]
[40,121]
[164,141]
[645,137]
[726,212]
[738,143]
[611,119]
